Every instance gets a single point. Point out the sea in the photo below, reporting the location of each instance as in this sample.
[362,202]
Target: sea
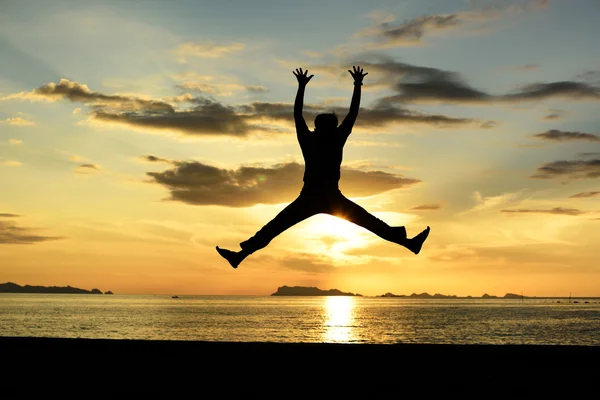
[319,319]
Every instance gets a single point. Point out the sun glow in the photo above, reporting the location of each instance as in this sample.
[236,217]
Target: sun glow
[336,234]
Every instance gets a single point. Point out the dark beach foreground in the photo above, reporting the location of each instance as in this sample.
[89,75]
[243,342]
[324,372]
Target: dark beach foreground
[141,366]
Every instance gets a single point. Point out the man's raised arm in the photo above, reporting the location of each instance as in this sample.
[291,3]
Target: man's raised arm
[303,80]
[348,122]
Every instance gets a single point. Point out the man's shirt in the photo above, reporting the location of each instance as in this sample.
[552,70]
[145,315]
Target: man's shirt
[323,153]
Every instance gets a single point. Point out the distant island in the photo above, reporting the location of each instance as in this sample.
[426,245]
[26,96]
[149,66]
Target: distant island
[309,291]
[314,291]
[443,296]
[10,287]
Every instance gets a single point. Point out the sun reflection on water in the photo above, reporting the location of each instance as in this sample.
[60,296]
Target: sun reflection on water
[339,323]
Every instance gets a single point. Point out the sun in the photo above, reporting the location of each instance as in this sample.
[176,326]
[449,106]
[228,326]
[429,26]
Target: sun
[335,234]
[339,227]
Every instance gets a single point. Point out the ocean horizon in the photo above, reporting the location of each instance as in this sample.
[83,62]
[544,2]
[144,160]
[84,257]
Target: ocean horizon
[285,290]
[302,319]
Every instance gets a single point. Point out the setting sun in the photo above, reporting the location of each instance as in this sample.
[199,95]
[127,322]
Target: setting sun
[336,234]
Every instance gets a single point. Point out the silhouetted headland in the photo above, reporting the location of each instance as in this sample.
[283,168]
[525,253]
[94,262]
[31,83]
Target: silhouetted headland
[510,296]
[444,296]
[10,287]
[309,291]
[314,291]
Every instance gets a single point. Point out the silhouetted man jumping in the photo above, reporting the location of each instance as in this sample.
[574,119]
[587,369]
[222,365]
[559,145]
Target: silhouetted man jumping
[322,150]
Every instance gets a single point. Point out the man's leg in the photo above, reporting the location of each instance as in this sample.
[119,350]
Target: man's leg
[345,208]
[295,212]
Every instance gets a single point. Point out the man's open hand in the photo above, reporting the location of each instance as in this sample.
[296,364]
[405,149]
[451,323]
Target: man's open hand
[357,74]
[302,77]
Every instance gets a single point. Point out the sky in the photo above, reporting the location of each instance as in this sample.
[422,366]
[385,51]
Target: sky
[135,136]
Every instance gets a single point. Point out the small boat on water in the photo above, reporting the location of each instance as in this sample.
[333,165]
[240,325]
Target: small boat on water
[174,297]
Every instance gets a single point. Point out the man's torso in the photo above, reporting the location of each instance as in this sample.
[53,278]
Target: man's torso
[323,153]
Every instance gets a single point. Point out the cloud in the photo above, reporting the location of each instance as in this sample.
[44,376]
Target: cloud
[11,233]
[221,89]
[306,262]
[442,88]
[200,184]
[411,32]
[590,76]
[206,50]
[17,121]
[584,195]
[154,159]
[90,166]
[208,117]
[11,163]
[77,92]
[85,168]
[379,115]
[488,125]
[367,183]
[419,84]
[589,154]
[426,207]
[449,88]
[485,203]
[554,115]
[389,33]
[256,89]
[572,170]
[563,136]
[556,211]
[563,89]
[392,72]
[15,142]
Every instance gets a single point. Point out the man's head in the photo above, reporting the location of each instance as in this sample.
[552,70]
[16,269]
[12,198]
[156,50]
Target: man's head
[326,122]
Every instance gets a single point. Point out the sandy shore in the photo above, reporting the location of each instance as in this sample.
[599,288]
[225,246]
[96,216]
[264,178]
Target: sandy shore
[138,363]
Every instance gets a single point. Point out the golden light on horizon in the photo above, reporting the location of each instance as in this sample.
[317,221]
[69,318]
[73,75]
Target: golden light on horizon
[339,325]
